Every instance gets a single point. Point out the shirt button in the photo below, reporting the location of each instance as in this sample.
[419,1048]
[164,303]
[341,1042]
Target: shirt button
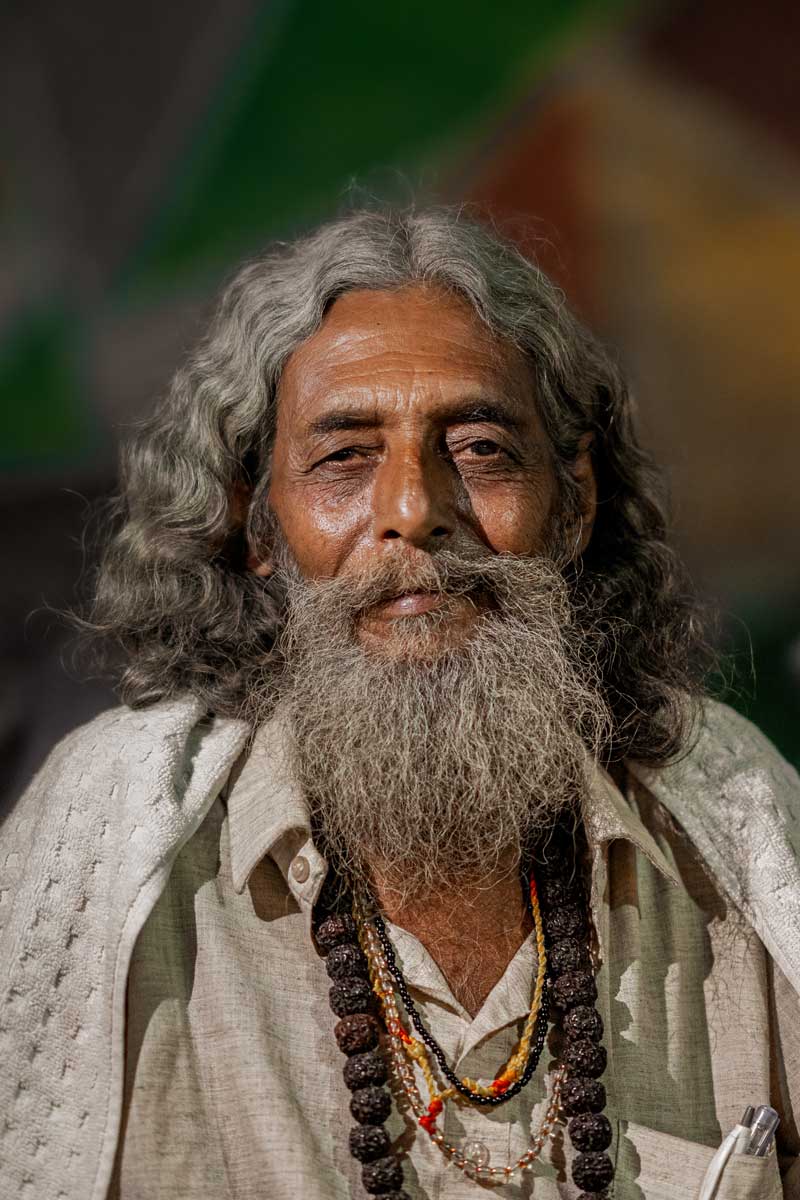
[300,869]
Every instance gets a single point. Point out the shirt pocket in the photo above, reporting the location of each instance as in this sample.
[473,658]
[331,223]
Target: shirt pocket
[658,1166]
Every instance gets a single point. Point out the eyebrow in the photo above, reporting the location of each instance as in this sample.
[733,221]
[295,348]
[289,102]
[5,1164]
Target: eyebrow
[342,419]
[462,412]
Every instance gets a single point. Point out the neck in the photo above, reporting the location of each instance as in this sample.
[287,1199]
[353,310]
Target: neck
[472,931]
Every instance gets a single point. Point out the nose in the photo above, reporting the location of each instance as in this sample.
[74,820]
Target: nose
[413,500]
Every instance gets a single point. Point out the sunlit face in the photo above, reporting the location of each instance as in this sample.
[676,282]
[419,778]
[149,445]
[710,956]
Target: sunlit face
[404,426]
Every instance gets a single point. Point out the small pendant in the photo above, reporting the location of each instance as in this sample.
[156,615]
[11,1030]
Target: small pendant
[475,1153]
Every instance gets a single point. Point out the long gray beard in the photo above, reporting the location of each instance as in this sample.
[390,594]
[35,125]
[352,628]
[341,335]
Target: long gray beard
[431,769]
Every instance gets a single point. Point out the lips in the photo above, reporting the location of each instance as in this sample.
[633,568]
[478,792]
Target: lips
[409,604]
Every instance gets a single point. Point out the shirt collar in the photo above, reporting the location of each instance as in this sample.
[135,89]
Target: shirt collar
[609,815]
[267,815]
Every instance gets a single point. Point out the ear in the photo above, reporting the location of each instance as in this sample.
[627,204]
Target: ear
[584,476]
[240,502]
[259,566]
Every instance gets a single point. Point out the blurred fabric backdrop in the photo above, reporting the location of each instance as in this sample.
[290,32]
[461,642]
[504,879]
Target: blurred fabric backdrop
[649,154]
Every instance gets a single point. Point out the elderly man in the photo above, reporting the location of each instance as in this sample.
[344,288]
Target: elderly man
[416,862]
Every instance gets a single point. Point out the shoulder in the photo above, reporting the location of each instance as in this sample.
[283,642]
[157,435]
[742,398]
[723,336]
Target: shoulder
[730,753]
[723,729]
[101,774]
[117,745]
[725,751]
[738,800]
[123,737]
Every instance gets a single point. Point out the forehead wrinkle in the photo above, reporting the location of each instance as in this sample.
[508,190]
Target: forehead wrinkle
[355,351]
[368,357]
[377,350]
[347,413]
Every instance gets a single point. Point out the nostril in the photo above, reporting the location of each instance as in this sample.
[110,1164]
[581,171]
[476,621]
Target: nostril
[391,533]
[440,531]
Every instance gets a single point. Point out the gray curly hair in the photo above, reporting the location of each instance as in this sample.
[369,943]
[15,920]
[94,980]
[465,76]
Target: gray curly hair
[174,601]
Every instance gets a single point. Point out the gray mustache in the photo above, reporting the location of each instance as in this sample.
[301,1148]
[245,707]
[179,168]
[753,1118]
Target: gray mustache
[447,574]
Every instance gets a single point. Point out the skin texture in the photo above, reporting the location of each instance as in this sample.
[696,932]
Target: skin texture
[404,425]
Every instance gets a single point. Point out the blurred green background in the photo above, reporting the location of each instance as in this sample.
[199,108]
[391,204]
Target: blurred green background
[648,154]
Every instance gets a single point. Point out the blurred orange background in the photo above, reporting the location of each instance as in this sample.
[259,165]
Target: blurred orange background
[648,154]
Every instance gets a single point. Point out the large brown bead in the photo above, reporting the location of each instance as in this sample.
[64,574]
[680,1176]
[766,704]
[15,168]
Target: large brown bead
[584,1058]
[364,1069]
[368,1142]
[568,954]
[348,996]
[335,931]
[590,1131]
[583,1022]
[575,987]
[356,1033]
[555,892]
[342,962]
[579,1095]
[382,1176]
[370,1105]
[592,1171]
[567,920]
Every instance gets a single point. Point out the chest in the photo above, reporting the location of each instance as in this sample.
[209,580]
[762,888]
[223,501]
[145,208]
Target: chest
[234,1081]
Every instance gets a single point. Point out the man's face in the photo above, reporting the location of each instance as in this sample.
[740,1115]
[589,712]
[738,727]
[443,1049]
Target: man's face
[404,427]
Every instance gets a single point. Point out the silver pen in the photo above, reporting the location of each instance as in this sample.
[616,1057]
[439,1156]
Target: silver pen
[762,1131]
[741,1133]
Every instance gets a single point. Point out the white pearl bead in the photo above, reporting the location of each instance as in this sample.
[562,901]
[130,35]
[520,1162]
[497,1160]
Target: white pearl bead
[475,1152]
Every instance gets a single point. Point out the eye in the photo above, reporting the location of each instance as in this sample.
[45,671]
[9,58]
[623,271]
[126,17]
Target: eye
[346,454]
[484,448]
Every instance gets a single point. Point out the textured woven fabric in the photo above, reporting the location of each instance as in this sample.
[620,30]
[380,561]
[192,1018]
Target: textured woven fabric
[86,854]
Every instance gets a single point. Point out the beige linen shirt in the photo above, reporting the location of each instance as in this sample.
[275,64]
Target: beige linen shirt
[233,1080]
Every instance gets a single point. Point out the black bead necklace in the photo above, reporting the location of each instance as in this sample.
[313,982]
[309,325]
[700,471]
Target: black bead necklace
[571,989]
[436,1050]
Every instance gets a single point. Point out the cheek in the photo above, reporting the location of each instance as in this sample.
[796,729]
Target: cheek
[320,535]
[514,520]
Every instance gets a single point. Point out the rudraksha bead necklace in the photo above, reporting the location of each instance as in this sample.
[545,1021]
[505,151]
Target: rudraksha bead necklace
[568,986]
[358,1034]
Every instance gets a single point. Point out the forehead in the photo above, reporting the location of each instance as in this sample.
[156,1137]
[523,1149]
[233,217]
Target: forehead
[421,340]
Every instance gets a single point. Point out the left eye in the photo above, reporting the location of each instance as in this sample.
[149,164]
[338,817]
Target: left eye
[484,448]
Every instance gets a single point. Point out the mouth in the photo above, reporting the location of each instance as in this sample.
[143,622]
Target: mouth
[399,621]
[407,604]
